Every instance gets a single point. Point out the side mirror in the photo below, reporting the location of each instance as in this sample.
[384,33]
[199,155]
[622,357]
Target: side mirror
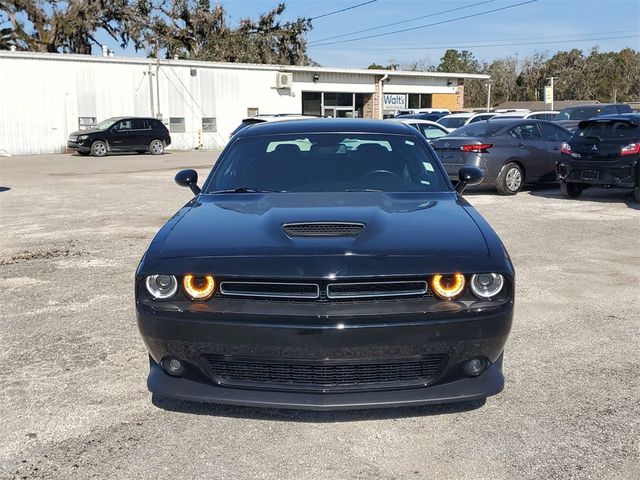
[468,176]
[188,178]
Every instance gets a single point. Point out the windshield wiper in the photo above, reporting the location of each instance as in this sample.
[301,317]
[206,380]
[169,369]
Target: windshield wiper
[247,190]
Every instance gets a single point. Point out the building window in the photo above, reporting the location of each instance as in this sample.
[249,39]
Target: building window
[419,100]
[209,124]
[312,103]
[252,111]
[176,124]
[86,122]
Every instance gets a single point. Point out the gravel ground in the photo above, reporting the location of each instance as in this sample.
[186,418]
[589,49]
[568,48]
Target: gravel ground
[73,401]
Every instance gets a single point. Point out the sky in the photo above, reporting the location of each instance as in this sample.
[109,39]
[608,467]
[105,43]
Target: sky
[535,26]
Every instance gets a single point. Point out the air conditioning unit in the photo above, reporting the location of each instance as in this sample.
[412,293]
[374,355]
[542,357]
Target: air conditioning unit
[284,80]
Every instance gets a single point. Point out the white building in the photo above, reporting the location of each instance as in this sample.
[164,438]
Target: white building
[44,97]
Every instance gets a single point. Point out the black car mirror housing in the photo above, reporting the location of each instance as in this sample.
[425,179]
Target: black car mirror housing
[188,178]
[468,176]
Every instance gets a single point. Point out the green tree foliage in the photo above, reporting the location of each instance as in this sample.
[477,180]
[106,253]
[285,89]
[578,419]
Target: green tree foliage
[60,26]
[602,76]
[184,28]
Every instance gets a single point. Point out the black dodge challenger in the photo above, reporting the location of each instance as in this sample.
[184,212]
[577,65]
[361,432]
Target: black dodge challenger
[326,264]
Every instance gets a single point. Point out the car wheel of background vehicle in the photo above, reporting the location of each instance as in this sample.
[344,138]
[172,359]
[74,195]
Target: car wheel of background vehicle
[510,180]
[571,190]
[156,147]
[98,149]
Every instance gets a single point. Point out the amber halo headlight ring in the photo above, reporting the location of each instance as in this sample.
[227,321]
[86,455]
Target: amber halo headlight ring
[448,287]
[198,287]
[486,286]
[161,287]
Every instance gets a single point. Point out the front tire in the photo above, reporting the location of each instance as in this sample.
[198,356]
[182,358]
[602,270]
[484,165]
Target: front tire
[98,148]
[156,147]
[571,190]
[510,180]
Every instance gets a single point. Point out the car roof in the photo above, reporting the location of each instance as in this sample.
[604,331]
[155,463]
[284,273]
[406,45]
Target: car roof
[631,117]
[280,117]
[416,120]
[460,115]
[327,125]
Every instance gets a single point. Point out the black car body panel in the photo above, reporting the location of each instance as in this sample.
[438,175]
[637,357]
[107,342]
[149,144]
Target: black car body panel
[375,348]
[121,134]
[537,153]
[597,156]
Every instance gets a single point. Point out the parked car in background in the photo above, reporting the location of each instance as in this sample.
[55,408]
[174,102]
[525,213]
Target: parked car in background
[276,117]
[433,117]
[121,134]
[570,117]
[603,151]
[326,278]
[431,130]
[410,111]
[457,120]
[543,115]
[510,152]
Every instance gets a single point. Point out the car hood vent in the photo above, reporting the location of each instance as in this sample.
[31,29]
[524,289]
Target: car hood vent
[323,229]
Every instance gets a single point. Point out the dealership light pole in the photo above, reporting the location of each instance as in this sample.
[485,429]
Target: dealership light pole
[489,95]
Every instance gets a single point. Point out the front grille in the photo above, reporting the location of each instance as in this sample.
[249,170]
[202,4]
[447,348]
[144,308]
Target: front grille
[271,290]
[324,375]
[323,229]
[376,289]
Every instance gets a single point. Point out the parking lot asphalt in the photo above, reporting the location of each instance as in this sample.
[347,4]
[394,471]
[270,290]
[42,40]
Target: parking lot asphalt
[73,400]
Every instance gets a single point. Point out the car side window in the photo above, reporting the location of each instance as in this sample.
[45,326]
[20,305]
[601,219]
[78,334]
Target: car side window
[432,132]
[139,124]
[609,109]
[553,133]
[514,132]
[529,131]
[123,126]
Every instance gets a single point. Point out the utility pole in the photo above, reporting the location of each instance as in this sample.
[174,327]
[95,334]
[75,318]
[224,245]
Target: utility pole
[158,77]
[150,74]
[488,95]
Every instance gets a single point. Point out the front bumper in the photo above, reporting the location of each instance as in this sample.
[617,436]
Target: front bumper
[79,146]
[339,337]
[612,173]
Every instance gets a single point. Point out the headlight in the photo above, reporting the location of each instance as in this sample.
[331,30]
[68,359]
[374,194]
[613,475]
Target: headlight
[487,285]
[199,287]
[161,287]
[81,138]
[448,287]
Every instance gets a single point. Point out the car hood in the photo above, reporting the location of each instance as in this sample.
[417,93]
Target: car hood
[396,224]
[86,131]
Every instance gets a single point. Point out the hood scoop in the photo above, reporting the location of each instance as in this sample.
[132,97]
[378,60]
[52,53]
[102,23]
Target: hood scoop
[323,229]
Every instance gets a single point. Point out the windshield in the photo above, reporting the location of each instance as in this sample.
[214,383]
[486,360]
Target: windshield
[613,130]
[103,125]
[452,122]
[479,129]
[328,162]
[578,113]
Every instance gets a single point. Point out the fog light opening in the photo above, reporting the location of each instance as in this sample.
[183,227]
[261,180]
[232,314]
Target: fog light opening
[475,366]
[172,366]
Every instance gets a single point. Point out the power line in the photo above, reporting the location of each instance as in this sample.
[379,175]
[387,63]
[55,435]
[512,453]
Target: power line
[440,47]
[428,25]
[342,10]
[399,22]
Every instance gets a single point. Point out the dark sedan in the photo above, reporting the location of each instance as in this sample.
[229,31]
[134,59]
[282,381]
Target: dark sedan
[121,134]
[326,264]
[509,152]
